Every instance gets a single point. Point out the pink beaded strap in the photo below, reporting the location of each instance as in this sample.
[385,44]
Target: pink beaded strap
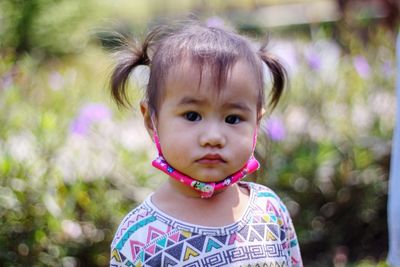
[206,189]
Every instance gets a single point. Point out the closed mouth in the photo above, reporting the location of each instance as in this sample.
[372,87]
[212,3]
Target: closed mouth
[211,159]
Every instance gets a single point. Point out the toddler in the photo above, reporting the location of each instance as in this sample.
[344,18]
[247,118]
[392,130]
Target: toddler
[202,107]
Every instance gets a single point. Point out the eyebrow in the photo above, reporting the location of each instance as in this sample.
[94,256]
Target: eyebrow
[191,101]
[230,105]
[237,105]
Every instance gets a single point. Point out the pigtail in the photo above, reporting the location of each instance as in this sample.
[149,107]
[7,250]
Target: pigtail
[278,73]
[132,56]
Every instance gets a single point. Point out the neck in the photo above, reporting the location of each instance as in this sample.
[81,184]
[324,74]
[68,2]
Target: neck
[224,208]
[187,191]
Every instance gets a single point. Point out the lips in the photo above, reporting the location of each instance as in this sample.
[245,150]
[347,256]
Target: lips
[211,159]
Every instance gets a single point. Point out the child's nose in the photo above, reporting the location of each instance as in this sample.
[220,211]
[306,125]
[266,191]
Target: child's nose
[213,135]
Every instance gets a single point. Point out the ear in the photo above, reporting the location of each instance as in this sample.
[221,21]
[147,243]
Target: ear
[144,108]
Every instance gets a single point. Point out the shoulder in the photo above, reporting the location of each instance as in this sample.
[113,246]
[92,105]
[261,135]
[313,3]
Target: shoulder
[267,200]
[118,257]
[262,191]
[138,214]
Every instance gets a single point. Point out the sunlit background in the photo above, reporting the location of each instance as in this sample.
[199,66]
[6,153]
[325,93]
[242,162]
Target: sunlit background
[72,164]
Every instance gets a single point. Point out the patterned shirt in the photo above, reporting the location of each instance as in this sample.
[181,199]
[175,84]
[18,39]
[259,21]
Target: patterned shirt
[264,236]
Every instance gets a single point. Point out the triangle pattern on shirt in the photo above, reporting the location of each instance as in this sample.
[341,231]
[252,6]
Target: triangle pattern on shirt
[157,243]
[279,221]
[162,242]
[158,249]
[154,261]
[174,237]
[267,218]
[168,261]
[244,232]
[271,208]
[260,229]
[147,256]
[274,229]
[222,238]
[283,235]
[136,246]
[123,258]
[119,257]
[175,251]
[170,243]
[197,242]
[151,249]
[189,252]
[211,244]
[254,235]
[270,236]
[184,235]
[137,218]
[153,233]
[141,256]
[235,238]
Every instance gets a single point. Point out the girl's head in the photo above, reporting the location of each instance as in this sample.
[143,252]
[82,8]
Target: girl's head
[206,49]
[205,96]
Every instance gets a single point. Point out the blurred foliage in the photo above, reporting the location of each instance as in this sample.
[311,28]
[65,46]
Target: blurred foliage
[44,27]
[332,166]
[71,165]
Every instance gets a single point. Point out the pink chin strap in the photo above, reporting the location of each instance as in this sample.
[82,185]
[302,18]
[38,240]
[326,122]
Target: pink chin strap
[205,189]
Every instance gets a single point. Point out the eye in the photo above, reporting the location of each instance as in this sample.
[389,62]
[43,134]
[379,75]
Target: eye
[192,116]
[233,119]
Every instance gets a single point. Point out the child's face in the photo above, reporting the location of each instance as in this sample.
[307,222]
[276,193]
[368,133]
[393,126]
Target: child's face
[203,134]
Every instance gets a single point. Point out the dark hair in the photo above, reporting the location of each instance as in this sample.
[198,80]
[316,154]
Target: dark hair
[217,49]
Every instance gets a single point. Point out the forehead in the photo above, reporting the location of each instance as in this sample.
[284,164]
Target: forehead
[190,78]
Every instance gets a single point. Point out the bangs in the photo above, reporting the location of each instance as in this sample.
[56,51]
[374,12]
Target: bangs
[211,52]
[213,68]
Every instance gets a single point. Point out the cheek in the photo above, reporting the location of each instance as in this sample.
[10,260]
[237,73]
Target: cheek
[248,147]
[243,148]
[175,147]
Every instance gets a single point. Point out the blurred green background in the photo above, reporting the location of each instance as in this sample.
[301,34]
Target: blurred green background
[72,165]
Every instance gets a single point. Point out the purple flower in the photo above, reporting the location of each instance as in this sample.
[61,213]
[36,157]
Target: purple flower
[88,115]
[314,60]
[274,128]
[215,22]
[362,66]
